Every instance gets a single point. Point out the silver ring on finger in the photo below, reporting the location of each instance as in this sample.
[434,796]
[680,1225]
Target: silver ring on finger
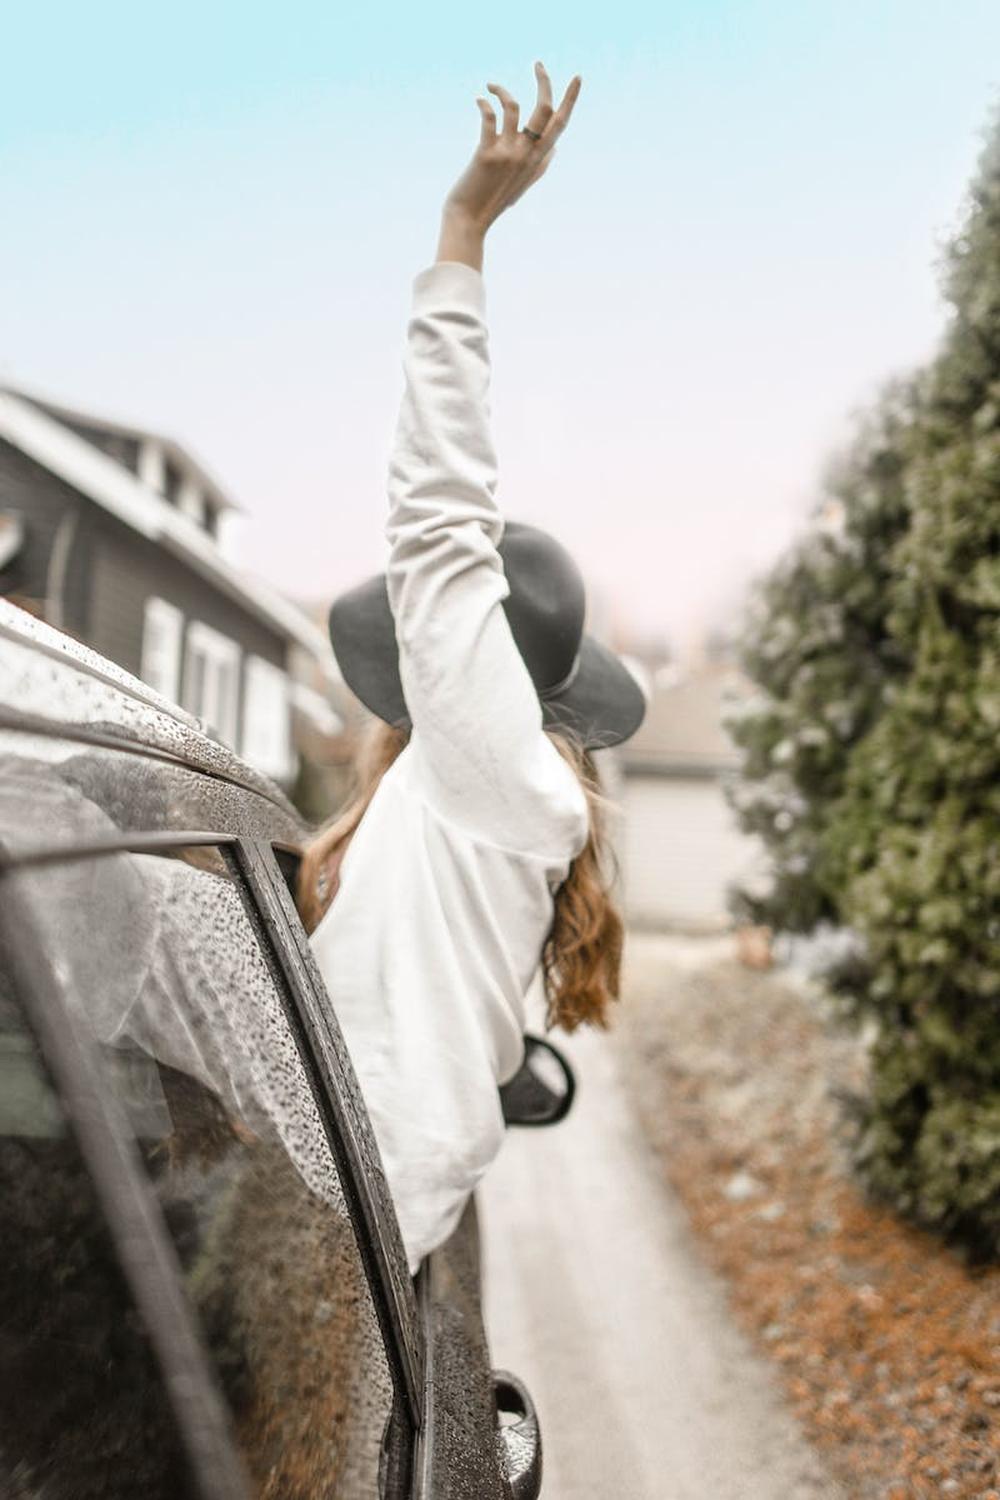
[535,135]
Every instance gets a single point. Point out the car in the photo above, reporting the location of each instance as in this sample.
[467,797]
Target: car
[203,1291]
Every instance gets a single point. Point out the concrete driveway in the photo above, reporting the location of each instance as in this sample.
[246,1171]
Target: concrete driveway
[596,1296]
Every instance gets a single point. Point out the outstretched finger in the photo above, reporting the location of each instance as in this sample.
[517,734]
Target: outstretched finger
[560,119]
[542,112]
[488,133]
[511,109]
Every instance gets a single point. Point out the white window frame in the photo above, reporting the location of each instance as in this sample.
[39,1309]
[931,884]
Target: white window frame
[151,464]
[162,638]
[266,739]
[213,693]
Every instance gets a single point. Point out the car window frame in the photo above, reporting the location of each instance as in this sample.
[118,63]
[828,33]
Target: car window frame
[326,1058]
[132,1216]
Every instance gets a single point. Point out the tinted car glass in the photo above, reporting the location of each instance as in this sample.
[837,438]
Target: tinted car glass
[164,959]
[83,1411]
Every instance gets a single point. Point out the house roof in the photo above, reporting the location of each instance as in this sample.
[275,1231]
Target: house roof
[182,458]
[109,484]
[683,729]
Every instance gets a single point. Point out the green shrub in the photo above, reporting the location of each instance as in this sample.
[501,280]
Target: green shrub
[817,646]
[898,823]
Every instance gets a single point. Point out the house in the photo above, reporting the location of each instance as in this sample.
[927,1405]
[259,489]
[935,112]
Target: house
[679,844]
[114,534]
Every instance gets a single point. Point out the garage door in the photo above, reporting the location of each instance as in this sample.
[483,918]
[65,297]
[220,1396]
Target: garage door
[681,848]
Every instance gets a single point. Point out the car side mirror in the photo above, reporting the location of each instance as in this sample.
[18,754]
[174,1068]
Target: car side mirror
[518,1437]
[541,1091]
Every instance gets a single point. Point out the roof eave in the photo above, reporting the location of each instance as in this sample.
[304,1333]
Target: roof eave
[93,474]
[176,452]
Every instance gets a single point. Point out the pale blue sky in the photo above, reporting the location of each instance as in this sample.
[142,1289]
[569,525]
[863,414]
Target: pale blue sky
[212,215]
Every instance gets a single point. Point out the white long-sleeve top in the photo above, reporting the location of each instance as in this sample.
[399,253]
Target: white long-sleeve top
[446,890]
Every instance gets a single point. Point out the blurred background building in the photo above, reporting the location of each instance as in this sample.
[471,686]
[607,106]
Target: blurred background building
[680,846]
[116,535]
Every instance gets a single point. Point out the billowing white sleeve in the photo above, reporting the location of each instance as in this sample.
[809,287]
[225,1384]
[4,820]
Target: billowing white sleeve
[478,742]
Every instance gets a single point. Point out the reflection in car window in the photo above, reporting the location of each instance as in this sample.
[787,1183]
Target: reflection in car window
[198,1050]
[83,1413]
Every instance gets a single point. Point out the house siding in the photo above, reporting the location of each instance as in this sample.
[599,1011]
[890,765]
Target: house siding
[128,568]
[118,592]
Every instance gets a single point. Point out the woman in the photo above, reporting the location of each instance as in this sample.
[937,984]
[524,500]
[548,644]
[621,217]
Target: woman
[471,859]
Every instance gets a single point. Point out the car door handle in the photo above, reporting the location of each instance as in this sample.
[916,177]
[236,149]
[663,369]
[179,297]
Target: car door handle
[518,1437]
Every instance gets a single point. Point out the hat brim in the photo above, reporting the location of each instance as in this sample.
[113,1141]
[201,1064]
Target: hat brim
[603,704]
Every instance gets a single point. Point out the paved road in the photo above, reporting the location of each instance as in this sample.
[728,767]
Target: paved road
[596,1296]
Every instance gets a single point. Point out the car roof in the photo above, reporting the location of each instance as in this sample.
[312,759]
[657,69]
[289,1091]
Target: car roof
[53,684]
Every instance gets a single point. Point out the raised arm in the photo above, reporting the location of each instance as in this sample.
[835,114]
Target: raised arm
[477,722]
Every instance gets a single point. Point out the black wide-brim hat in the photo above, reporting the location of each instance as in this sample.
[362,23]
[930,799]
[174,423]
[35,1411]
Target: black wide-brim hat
[582,686]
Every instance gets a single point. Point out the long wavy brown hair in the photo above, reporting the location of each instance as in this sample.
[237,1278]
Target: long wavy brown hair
[582,954]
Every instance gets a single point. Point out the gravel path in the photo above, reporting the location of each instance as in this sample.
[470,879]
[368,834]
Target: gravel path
[596,1296]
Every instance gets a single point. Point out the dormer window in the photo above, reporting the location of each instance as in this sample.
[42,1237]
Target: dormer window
[172,483]
[179,485]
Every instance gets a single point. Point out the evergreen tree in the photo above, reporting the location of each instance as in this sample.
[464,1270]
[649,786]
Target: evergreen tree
[913,843]
[878,650]
[817,646]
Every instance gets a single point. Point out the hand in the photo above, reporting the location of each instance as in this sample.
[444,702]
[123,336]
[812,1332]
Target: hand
[505,165]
